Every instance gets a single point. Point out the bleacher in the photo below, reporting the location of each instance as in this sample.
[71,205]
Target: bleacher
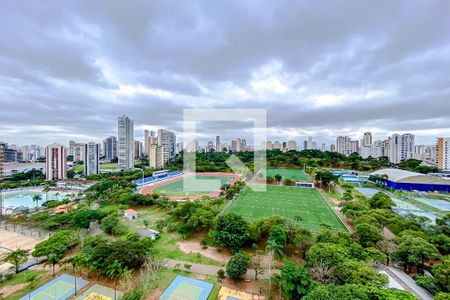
[158,177]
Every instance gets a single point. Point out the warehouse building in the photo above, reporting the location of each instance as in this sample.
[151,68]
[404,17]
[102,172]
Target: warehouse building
[410,181]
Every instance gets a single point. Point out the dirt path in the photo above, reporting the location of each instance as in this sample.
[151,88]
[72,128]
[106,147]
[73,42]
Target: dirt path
[8,290]
[210,252]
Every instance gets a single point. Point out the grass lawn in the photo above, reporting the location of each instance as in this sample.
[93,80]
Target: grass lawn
[167,242]
[175,188]
[104,167]
[306,206]
[292,174]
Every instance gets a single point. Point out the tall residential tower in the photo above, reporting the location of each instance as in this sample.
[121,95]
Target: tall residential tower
[55,162]
[126,143]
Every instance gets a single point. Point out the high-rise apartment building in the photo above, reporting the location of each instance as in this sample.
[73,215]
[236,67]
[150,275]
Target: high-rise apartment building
[344,145]
[71,148]
[137,149]
[292,145]
[168,141]
[276,145]
[125,151]
[78,152]
[2,147]
[110,147]
[355,146]
[55,162]
[443,153]
[324,147]
[333,148]
[218,146]
[91,160]
[367,140]
[401,147]
[146,136]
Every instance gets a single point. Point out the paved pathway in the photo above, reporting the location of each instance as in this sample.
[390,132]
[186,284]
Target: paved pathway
[408,283]
[211,270]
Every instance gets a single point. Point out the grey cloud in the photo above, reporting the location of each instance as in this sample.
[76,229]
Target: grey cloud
[63,64]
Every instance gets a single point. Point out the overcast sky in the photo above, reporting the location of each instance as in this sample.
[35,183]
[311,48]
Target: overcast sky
[320,68]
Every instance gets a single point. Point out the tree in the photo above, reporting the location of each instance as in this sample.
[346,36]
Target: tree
[441,272]
[368,234]
[221,275]
[413,252]
[295,280]
[381,200]
[16,258]
[52,260]
[114,271]
[46,190]
[277,240]
[321,260]
[201,219]
[232,231]
[37,198]
[304,240]
[278,177]
[257,263]
[325,177]
[150,270]
[238,265]
[110,224]
[357,272]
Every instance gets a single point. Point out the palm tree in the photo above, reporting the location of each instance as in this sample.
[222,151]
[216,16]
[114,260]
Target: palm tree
[114,271]
[46,190]
[52,259]
[37,198]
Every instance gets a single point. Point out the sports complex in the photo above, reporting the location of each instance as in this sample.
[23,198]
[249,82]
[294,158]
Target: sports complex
[304,205]
[190,186]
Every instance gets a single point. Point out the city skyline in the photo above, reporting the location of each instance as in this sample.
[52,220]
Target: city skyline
[67,73]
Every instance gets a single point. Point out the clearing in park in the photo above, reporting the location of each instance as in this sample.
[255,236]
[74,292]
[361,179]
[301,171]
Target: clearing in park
[304,205]
[186,288]
[292,174]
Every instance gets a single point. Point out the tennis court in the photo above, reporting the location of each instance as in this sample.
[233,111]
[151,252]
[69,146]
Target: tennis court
[60,288]
[305,206]
[292,174]
[185,288]
[101,290]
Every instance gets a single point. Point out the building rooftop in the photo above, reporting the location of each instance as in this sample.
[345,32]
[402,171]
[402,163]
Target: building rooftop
[397,175]
[130,211]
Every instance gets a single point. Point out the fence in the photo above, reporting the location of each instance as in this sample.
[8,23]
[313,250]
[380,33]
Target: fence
[26,231]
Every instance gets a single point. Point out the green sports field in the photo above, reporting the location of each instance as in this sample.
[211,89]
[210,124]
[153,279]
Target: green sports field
[306,206]
[197,188]
[292,174]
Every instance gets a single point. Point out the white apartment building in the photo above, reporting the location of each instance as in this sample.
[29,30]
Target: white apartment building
[344,145]
[401,147]
[292,145]
[276,145]
[126,143]
[91,161]
[55,163]
[168,141]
